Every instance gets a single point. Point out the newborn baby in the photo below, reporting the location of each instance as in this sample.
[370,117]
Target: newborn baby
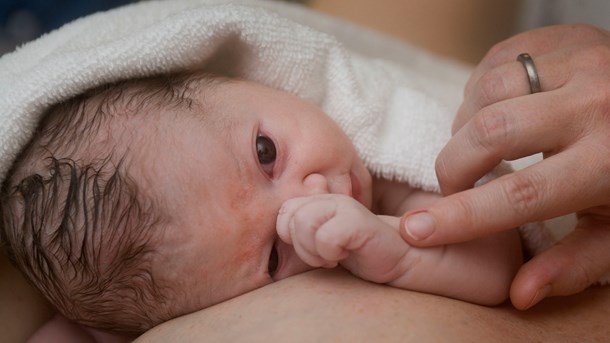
[147,199]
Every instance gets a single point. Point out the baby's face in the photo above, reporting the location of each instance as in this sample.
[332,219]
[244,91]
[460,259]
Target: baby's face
[225,178]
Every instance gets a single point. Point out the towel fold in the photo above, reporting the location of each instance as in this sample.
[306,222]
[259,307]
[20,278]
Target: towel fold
[396,102]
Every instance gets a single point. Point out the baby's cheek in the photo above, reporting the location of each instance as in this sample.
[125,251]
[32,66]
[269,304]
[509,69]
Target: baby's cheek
[241,195]
[254,217]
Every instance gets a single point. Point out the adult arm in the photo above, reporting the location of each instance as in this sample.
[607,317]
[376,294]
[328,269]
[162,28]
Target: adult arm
[569,122]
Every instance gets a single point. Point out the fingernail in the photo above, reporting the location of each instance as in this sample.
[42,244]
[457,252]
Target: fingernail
[419,225]
[540,294]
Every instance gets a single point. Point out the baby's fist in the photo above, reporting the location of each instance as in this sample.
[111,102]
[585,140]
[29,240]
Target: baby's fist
[324,229]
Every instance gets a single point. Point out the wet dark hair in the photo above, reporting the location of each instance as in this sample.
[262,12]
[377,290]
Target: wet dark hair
[75,221]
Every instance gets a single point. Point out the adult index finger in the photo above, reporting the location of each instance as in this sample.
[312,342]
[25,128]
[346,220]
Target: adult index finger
[547,189]
[507,130]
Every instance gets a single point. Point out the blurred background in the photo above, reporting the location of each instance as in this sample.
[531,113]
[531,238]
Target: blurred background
[464,29]
[460,29]
[24,20]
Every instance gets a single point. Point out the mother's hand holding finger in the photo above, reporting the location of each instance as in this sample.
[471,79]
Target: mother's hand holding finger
[500,119]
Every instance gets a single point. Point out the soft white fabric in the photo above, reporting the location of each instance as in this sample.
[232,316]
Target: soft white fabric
[396,102]
[245,41]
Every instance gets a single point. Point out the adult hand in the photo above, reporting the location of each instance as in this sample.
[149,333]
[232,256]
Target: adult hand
[569,122]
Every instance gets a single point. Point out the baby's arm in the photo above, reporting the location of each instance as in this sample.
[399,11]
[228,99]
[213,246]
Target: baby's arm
[331,229]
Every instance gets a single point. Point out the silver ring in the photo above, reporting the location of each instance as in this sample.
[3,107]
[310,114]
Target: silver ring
[530,69]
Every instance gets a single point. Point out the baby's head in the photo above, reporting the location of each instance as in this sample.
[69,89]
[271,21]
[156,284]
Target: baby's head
[140,201]
[77,221]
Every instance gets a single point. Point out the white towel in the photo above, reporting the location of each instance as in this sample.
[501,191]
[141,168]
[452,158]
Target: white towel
[246,41]
[395,101]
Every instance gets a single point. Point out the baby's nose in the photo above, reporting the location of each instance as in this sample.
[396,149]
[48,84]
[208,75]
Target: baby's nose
[315,184]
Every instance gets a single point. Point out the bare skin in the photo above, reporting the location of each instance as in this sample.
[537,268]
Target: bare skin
[333,304]
[330,305]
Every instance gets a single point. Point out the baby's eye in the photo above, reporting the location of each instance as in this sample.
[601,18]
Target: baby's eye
[266,153]
[274,261]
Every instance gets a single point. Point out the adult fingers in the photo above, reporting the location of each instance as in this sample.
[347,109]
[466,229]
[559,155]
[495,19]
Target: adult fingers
[505,131]
[547,189]
[509,81]
[544,122]
[538,43]
[573,264]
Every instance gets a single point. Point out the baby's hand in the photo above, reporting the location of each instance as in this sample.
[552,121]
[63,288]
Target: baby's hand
[329,229]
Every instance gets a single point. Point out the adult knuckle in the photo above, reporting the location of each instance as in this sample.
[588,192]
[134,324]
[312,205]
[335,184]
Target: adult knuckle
[442,170]
[594,109]
[491,88]
[524,193]
[583,277]
[491,129]
[469,216]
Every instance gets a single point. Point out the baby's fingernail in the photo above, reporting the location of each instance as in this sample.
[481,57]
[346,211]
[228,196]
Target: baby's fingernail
[282,210]
[419,225]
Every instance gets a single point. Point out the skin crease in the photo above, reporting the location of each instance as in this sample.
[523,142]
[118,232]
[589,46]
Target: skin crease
[568,122]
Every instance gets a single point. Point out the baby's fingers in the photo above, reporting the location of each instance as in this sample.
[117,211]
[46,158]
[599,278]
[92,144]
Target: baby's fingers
[334,239]
[298,222]
[560,184]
